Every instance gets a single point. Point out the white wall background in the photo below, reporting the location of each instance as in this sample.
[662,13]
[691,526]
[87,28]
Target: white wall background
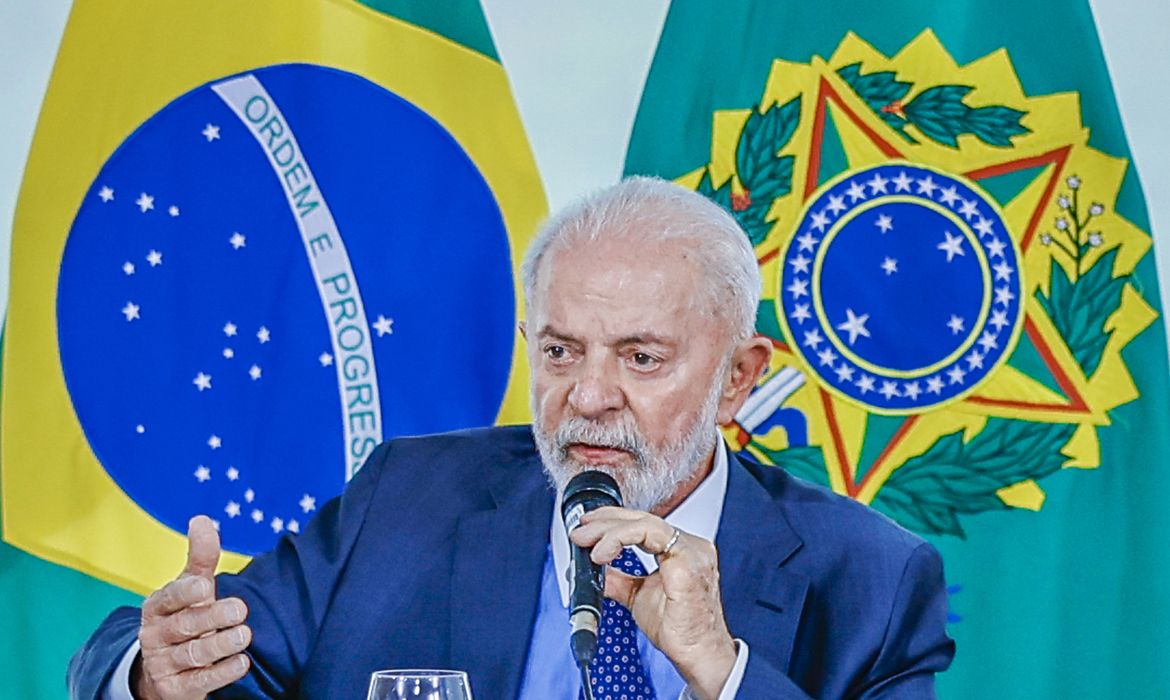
[563,84]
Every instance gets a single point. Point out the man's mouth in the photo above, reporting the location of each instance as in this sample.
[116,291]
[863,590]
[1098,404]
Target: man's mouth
[597,454]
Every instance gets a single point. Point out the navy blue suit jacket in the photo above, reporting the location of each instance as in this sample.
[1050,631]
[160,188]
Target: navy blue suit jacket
[432,558]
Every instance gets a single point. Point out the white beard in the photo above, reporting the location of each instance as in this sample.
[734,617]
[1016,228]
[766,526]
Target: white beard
[655,474]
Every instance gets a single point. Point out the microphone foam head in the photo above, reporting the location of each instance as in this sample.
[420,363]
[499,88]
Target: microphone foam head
[597,488]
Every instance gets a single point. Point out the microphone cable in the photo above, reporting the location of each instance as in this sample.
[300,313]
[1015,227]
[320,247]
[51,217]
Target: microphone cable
[586,685]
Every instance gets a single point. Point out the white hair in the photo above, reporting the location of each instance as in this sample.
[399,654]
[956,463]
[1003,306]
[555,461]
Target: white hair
[655,210]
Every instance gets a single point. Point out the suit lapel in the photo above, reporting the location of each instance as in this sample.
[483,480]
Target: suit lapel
[761,600]
[498,562]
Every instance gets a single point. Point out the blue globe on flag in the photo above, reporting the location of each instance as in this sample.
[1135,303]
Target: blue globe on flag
[315,265]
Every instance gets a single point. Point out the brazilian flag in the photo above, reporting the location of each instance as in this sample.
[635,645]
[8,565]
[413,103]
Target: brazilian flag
[959,287]
[252,241]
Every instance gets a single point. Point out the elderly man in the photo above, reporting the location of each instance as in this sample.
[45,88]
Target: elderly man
[449,550]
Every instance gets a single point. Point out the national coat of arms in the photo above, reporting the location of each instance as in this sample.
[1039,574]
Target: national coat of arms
[946,282]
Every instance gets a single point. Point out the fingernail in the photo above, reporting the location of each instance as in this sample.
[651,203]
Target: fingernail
[238,637]
[241,663]
[235,613]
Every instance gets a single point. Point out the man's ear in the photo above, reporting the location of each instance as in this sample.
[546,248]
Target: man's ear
[748,362]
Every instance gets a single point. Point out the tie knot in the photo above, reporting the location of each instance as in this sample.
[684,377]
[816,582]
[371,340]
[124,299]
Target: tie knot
[628,562]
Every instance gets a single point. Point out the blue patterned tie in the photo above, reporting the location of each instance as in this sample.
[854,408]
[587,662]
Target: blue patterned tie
[617,672]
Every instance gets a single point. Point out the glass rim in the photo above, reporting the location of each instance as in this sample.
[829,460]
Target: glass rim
[417,672]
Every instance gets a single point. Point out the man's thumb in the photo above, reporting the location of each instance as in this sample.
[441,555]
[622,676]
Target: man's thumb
[202,547]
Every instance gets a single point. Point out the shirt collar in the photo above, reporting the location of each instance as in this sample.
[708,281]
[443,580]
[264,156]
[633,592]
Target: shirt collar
[697,515]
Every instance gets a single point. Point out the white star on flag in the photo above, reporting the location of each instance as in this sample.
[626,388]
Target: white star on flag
[233,473]
[983,226]
[865,384]
[326,359]
[854,326]
[1003,271]
[799,288]
[308,503]
[911,390]
[262,335]
[856,191]
[203,381]
[294,527]
[956,374]
[836,204]
[173,210]
[254,372]
[999,319]
[232,509]
[229,329]
[902,182]
[214,442]
[969,209]
[202,473]
[955,324]
[948,196]
[140,428]
[145,202]
[807,241]
[229,353]
[249,495]
[975,360]
[238,240]
[844,373]
[130,310]
[154,258]
[819,220]
[885,223]
[926,186]
[210,132]
[889,390]
[934,385]
[277,525]
[890,266]
[877,184]
[988,342]
[953,246]
[383,326]
[257,515]
[801,313]
[128,267]
[827,356]
[812,338]
[1003,295]
[799,264]
[995,248]
[106,194]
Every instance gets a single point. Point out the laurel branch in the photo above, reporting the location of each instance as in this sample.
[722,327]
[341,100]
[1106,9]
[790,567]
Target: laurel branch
[938,113]
[763,173]
[952,478]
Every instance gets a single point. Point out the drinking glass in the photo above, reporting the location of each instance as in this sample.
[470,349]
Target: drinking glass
[419,684]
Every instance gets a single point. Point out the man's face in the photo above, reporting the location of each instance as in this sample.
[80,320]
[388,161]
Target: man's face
[626,368]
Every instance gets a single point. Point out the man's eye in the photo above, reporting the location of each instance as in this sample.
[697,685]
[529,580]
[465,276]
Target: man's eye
[644,361]
[556,352]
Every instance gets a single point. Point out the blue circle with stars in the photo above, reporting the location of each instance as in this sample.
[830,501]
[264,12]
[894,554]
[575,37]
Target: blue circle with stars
[901,288]
[194,341]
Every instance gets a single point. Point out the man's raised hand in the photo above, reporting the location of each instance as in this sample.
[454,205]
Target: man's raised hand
[192,643]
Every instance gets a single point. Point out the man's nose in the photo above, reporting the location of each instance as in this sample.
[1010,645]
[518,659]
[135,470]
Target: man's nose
[597,391]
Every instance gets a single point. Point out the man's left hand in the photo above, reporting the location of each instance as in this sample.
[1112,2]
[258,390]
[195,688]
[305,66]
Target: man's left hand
[678,607]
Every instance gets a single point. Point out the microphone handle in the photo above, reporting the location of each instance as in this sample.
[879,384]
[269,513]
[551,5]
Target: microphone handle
[585,605]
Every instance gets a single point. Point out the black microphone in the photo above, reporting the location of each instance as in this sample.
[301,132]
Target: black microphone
[587,491]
